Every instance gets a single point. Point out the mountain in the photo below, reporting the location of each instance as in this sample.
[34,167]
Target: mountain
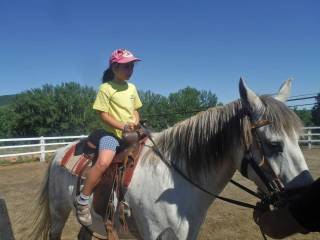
[6,99]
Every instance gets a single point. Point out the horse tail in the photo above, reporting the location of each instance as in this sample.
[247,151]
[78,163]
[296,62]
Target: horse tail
[41,223]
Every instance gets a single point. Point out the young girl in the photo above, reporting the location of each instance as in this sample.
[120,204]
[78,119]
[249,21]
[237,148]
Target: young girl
[117,102]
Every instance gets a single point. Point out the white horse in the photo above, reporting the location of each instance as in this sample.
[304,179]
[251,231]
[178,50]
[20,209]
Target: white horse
[207,148]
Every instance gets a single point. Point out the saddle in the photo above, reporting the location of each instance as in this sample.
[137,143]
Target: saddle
[108,195]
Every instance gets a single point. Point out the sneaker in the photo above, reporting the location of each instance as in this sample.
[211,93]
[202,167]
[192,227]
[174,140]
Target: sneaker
[83,213]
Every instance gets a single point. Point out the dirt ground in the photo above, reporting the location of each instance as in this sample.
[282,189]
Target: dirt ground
[20,183]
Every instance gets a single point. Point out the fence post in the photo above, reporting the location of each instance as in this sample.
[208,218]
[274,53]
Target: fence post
[309,139]
[42,149]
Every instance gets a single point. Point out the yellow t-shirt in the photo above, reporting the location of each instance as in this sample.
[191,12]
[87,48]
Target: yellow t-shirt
[120,101]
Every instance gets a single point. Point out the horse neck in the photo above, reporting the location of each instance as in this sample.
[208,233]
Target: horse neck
[207,145]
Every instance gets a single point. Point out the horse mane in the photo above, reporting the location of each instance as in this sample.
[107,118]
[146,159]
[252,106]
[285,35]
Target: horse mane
[281,116]
[209,137]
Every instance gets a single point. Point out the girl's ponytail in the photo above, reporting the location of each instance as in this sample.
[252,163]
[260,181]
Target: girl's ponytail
[108,75]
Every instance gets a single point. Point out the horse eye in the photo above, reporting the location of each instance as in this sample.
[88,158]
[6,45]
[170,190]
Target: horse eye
[276,146]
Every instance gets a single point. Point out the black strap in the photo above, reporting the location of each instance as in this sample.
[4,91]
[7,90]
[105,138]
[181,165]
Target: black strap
[244,166]
[259,172]
[246,189]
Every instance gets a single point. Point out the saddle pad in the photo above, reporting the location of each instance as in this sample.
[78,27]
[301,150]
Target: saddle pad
[74,164]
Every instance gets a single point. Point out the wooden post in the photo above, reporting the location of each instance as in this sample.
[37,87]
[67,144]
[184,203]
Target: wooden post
[309,139]
[42,149]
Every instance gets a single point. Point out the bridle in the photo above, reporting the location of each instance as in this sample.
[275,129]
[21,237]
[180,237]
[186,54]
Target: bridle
[274,184]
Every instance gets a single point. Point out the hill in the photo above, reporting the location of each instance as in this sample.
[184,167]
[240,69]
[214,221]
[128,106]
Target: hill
[6,99]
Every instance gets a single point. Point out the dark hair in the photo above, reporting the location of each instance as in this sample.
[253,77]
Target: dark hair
[108,74]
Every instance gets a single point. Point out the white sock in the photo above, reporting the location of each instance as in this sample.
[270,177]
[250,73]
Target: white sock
[83,199]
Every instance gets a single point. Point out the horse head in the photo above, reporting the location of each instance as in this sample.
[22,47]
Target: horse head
[273,144]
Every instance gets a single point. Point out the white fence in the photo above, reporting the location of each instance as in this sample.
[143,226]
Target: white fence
[40,145]
[311,138]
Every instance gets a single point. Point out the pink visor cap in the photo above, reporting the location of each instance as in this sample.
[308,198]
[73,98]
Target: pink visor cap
[122,56]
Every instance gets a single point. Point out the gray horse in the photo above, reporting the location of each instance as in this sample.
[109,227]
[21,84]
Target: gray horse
[207,148]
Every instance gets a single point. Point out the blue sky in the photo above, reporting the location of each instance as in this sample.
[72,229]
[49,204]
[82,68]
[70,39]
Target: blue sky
[203,44]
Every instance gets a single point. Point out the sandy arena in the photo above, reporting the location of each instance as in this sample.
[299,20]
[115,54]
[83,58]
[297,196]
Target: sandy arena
[20,183]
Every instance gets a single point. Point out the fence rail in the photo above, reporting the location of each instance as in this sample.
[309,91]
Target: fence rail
[311,138]
[42,143]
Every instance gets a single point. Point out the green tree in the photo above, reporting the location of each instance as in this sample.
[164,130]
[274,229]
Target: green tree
[7,122]
[305,116]
[65,109]
[316,111]
[153,107]
[187,102]
[162,112]
[74,104]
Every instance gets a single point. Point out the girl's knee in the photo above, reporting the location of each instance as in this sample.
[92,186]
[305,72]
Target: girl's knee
[101,166]
[104,161]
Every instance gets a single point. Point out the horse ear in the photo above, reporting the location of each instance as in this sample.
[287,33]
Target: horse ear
[251,101]
[284,91]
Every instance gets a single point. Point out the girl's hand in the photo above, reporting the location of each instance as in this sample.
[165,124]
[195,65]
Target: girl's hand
[129,127]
